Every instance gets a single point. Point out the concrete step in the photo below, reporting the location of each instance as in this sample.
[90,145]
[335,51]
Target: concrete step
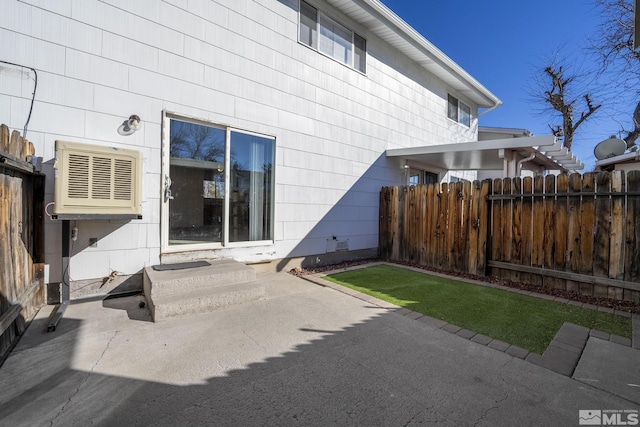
[204,300]
[172,293]
[222,271]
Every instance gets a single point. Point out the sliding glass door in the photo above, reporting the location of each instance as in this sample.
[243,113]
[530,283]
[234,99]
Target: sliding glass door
[219,186]
[251,162]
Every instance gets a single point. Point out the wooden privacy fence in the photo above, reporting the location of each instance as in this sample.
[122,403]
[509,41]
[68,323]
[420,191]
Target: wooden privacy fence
[21,238]
[573,232]
[442,226]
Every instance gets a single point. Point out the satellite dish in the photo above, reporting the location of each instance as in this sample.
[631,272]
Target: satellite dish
[609,148]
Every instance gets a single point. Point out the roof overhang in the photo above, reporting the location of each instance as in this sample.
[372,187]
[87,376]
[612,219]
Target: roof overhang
[388,26]
[630,157]
[544,151]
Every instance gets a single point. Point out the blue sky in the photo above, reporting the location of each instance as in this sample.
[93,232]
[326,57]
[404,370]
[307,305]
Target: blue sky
[502,42]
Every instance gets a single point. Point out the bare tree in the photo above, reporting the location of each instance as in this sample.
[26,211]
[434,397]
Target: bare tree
[196,142]
[620,62]
[558,96]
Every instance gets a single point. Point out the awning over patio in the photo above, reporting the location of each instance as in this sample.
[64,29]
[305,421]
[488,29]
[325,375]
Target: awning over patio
[510,155]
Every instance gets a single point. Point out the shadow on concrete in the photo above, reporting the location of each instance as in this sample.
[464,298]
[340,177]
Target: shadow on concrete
[384,370]
[135,306]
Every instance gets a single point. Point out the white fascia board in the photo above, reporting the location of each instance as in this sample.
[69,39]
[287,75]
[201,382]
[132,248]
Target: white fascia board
[536,142]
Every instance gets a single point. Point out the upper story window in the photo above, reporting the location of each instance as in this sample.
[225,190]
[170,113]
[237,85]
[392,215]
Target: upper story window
[459,111]
[331,38]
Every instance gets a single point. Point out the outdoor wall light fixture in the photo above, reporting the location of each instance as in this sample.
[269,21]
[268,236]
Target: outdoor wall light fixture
[130,126]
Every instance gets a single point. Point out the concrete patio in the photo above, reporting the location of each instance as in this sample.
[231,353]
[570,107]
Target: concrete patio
[304,354]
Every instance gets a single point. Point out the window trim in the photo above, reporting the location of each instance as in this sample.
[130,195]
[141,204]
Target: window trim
[315,43]
[459,108]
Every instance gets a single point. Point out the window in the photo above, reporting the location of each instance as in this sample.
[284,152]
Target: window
[417,177]
[331,38]
[452,111]
[465,115]
[458,111]
[209,205]
[430,178]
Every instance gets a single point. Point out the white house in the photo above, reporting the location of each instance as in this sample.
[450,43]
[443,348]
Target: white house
[264,123]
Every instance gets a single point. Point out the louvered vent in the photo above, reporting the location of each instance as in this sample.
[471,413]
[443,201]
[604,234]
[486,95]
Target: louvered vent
[97,180]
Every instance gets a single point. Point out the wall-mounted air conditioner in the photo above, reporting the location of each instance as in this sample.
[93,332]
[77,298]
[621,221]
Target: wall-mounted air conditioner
[97,180]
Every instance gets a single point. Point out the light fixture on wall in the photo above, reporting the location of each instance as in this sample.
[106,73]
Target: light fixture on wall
[130,126]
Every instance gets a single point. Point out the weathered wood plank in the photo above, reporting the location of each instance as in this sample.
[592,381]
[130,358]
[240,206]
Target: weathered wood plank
[21,240]
[412,221]
[394,200]
[526,224]
[484,213]
[516,227]
[430,230]
[538,223]
[4,138]
[602,226]
[616,242]
[452,227]
[16,145]
[549,227]
[537,228]
[473,227]
[573,229]
[497,230]
[587,225]
[443,255]
[465,225]
[383,223]
[561,234]
[632,246]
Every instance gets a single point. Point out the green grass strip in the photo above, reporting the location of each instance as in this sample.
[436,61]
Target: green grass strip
[521,320]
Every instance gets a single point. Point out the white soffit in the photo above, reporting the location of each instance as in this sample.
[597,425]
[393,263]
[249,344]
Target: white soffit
[384,23]
[490,154]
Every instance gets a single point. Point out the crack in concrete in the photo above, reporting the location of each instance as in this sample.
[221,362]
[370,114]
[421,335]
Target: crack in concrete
[84,381]
[244,332]
[412,418]
[495,406]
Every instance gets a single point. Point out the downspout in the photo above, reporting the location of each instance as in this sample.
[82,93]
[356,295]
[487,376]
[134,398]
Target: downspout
[521,161]
[496,105]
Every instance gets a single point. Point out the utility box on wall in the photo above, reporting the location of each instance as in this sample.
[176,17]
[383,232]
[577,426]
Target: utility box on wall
[97,180]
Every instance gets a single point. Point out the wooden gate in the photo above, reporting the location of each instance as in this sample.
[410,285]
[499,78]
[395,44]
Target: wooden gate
[21,238]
